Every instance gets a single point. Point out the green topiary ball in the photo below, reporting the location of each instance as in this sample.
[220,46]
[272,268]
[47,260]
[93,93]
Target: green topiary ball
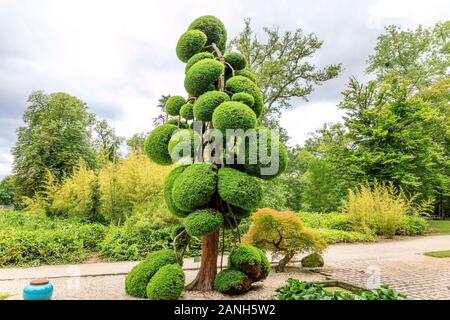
[191,42]
[231,281]
[236,60]
[201,75]
[203,222]
[167,283]
[246,73]
[238,84]
[187,111]
[196,58]
[177,122]
[233,115]
[174,104]
[182,146]
[265,264]
[156,144]
[314,260]
[248,259]
[168,187]
[205,105]
[269,163]
[239,189]
[244,97]
[138,278]
[214,30]
[195,187]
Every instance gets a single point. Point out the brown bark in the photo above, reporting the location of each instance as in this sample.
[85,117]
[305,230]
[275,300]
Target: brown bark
[284,261]
[208,267]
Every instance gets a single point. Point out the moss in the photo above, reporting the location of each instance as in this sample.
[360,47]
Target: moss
[196,58]
[233,115]
[244,97]
[190,43]
[266,166]
[205,105]
[238,84]
[214,30]
[177,122]
[246,73]
[187,111]
[138,278]
[265,263]
[244,254]
[236,60]
[167,283]
[156,144]
[239,189]
[314,260]
[194,187]
[174,104]
[168,187]
[201,75]
[231,281]
[203,222]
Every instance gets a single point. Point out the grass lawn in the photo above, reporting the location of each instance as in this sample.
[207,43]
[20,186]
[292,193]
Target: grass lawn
[438,254]
[439,226]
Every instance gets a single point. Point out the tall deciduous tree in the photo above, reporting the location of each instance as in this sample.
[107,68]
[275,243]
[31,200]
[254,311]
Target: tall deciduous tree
[56,134]
[7,191]
[106,142]
[282,67]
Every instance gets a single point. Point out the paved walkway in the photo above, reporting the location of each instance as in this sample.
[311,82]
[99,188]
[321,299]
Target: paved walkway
[400,264]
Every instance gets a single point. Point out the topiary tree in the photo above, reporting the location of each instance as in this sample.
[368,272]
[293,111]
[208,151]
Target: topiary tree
[219,185]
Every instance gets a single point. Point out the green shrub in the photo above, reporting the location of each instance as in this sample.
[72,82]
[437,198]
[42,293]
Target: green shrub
[313,260]
[332,220]
[331,236]
[270,162]
[233,115]
[138,278]
[238,84]
[167,283]
[168,189]
[265,263]
[157,142]
[203,222]
[231,281]
[243,97]
[187,111]
[194,187]
[236,60]
[205,105]
[247,74]
[244,254]
[177,122]
[190,43]
[182,146]
[201,75]
[239,189]
[174,104]
[196,58]
[213,28]
[411,226]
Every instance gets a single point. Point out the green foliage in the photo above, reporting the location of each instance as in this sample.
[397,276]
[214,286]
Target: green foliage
[201,75]
[239,189]
[300,290]
[187,111]
[190,43]
[174,104]
[56,134]
[244,97]
[233,115]
[203,222]
[106,142]
[157,143]
[168,191]
[244,254]
[196,58]
[182,145]
[194,187]
[331,236]
[313,260]
[177,122]
[138,278]
[239,84]
[167,283]
[214,30]
[272,155]
[246,73]
[265,263]
[411,226]
[7,191]
[205,105]
[231,281]
[236,60]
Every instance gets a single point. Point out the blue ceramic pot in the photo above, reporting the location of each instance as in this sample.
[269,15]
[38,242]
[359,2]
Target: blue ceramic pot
[38,290]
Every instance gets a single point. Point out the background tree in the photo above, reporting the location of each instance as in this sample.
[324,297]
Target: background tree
[56,134]
[106,142]
[7,192]
[136,143]
[281,67]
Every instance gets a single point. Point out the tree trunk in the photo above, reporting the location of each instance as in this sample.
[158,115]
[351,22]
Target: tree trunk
[208,268]
[284,261]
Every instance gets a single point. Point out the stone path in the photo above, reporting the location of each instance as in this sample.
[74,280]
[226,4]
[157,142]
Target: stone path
[400,264]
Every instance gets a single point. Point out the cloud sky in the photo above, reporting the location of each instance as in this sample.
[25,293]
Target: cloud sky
[119,56]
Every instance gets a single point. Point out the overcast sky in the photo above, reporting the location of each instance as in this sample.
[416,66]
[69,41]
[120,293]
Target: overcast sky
[119,56]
